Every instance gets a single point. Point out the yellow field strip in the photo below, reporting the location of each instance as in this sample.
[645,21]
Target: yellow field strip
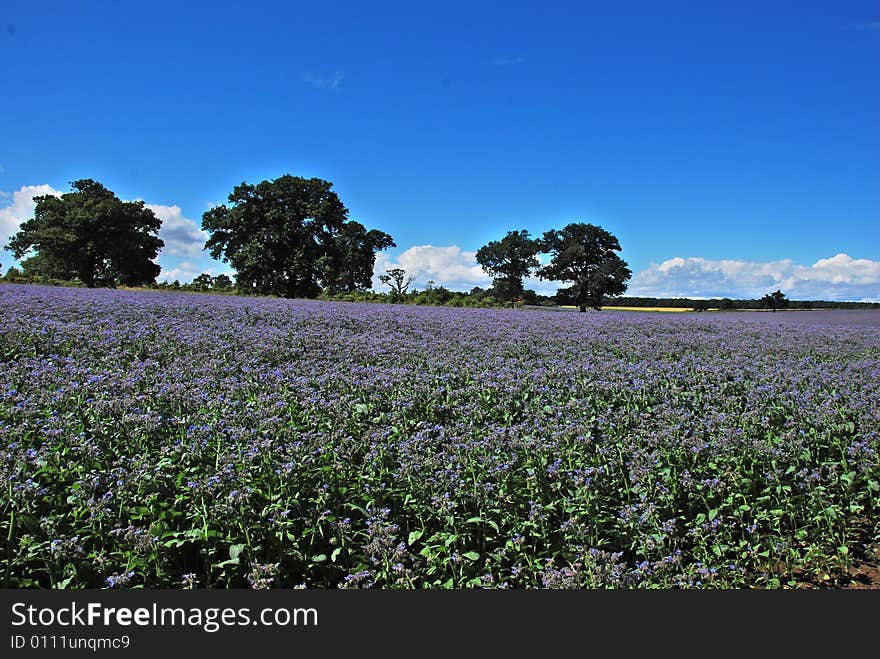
[666,309]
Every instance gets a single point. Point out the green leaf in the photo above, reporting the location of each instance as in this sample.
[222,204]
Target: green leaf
[319,558]
[471,555]
[413,537]
[235,551]
[843,550]
[231,561]
[335,554]
[64,583]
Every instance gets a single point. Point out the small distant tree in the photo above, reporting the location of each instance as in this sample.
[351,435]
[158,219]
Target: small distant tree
[701,305]
[39,267]
[203,282]
[397,280]
[13,273]
[775,300]
[529,297]
[222,283]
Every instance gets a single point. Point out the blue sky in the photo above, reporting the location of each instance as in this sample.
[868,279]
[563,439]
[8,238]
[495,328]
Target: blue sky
[732,148]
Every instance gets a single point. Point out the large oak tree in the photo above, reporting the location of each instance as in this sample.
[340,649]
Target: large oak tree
[91,235]
[509,260]
[290,236]
[586,256]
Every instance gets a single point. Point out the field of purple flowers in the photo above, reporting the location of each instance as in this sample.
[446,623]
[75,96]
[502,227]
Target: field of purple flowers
[167,440]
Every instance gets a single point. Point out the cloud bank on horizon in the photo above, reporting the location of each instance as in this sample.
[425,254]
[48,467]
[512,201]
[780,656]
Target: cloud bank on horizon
[837,277]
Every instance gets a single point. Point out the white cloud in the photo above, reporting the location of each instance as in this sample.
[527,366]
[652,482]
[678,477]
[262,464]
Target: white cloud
[840,277]
[186,271]
[324,81]
[448,266]
[21,208]
[182,236]
[508,61]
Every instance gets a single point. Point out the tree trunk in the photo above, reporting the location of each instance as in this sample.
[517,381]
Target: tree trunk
[88,274]
[583,308]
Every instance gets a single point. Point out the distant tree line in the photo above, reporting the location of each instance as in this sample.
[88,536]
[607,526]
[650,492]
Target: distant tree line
[477,297]
[727,303]
[441,296]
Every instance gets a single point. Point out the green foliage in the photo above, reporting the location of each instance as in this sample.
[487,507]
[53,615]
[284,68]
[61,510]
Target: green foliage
[203,282]
[437,295]
[222,282]
[280,444]
[508,261]
[90,235]
[584,255]
[349,265]
[291,237]
[13,274]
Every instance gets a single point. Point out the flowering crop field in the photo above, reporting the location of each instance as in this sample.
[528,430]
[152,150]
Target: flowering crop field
[163,440]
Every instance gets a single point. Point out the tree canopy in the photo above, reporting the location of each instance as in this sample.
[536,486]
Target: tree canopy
[91,235]
[585,255]
[509,260]
[291,237]
[350,263]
